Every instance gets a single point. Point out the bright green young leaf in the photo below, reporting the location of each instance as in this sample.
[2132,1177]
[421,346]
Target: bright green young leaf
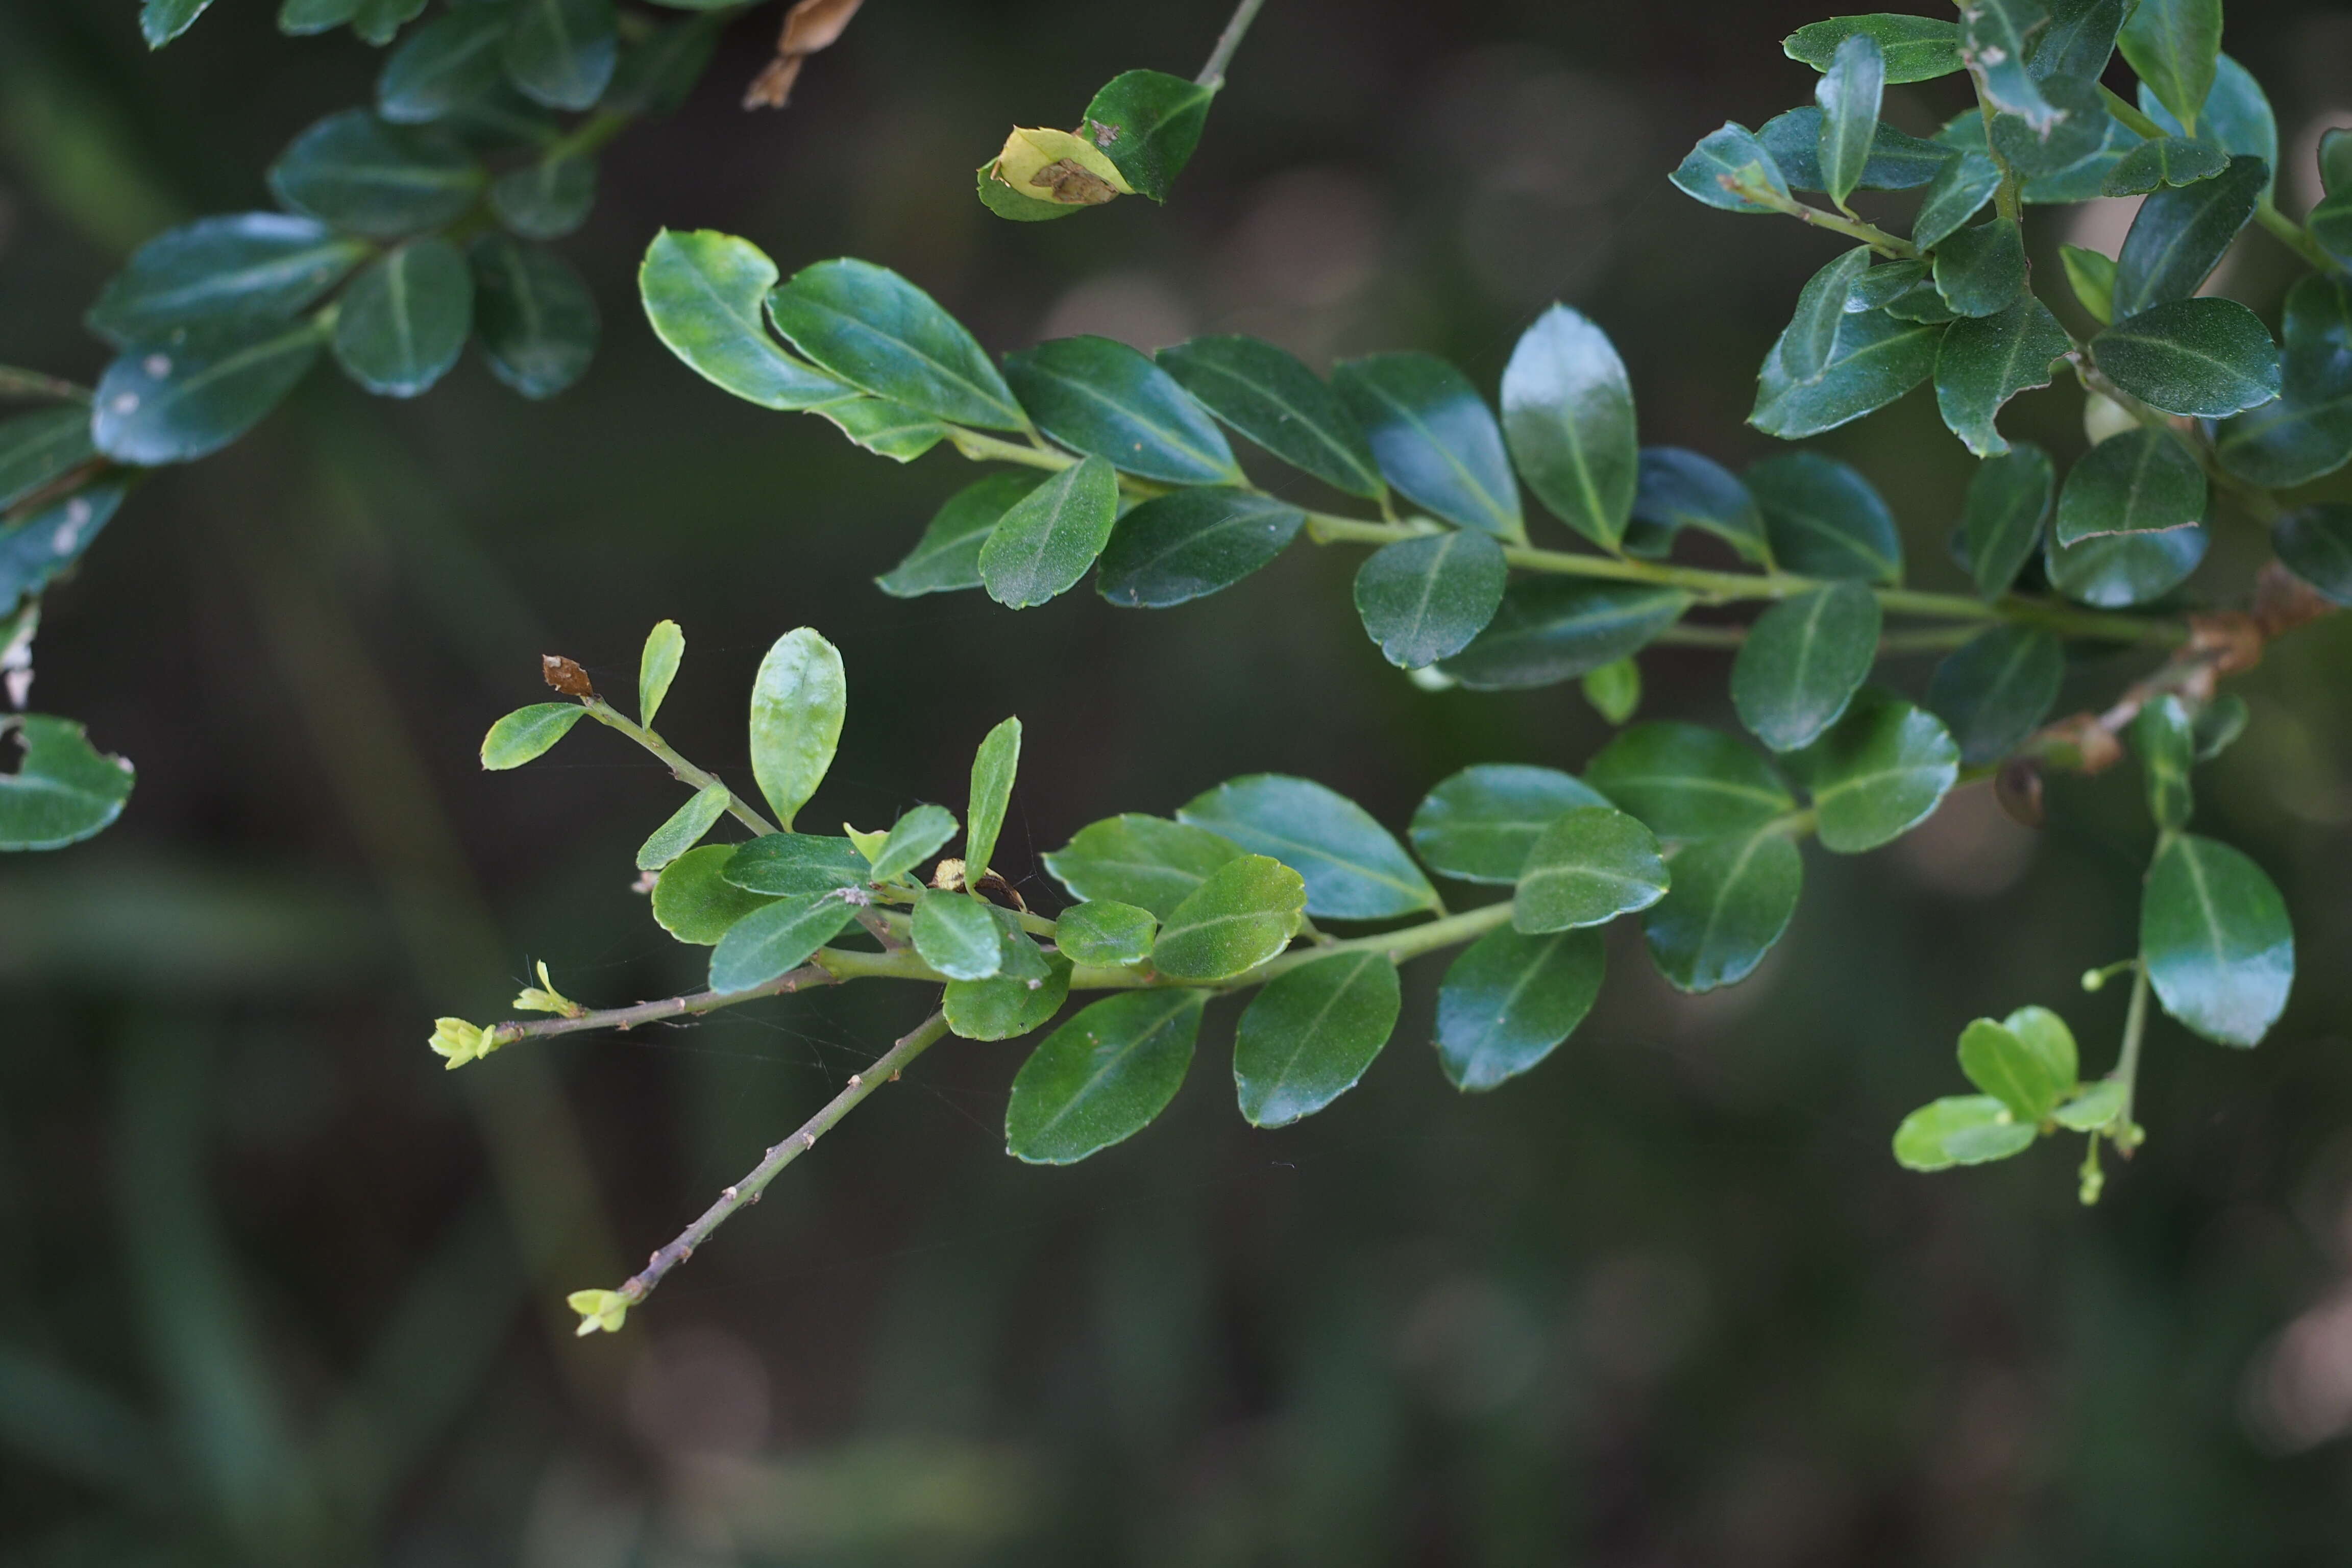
[1044,542]
[1267,395]
[2167,744]
[1957,193]
[1981,272]
[242,268]
[2092,276]
[2115,570]
[1479,824]
[2171,45]
[1824,519]
[547,199]
[1727,161]
[956,935]
[658,667]
[993,767]
[192,395]
[1028,990]
[776,939]
[1424,599]
[1877,774]
[874,330]
[798,701]
[695,903]
[403,322]
[2164,161]
[1104,933]
[528,731]
[2206,357]
[1960,1130]
[1510,999]
[1589,865]
[1099,396]
[685,828]
[50,539]
[1102,1077]
[1802,661]
[1308,1037]
[1687,782]
[536,319]
[1812,333]
[702,291]
[1995,41]
[62,789]
[1614,689]
[1244,912]
[359,174]
[1985,360]
[1147,861]
[1551,630]
[1848,94]
[913,839]
[1877,358]
[2094,1107]
[1732,898]
[161,21]
[2026,1061]
[1993,690]
[43,446]
[2315,544]
[2213,932]
[2008,501]
[1897,162]
[1681,490]
[2308,431]
[1355,869]
[1435,439]
[560,53]
[2181,233]
[1191,543]
[784,865]
[1148,122]
[449,61]
[1916,48]
[2140,481]
[1568,414]
[948,555]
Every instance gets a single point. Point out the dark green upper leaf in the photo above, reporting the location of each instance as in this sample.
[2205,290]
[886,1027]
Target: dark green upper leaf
[1804,660]
[1981,272]
[403,322]
[161,21]
[1510,999]
[2166,740]
[1995,42]
[2308,431]
[874,330]
[1101,1077]
[948,555]
[1099,396]
[2124,569]
[1687,782]
[2181,233]
[1849,93]
[1568,413]
[2164,161]
[1267,395]
[1681,490]
[1191,543]
[2139,481]
[2213,932]
[1479,824]
[1897,162]
[547,199]
[1045,540]
[1552,629]
[2316,543]
[703,291]
[1434,438]
[2237,116]
[450,60]
[1148,122]
[534,315]
[169,404]
[2171,45]
[1810,335]
[776,939]
[1824,519]
[560,53]
[1876,359]
[359,174]
[1994,688]
[2077,137]
[40,448]
[242,268]
[1985,362]
[1355,868]
[49,539]
[2205,357]
[2008,501]
[62,790]
[1732,898]
[1917,48]
[1307,1038]
[1956,194]
[1878,773]
[1424,599]
[2079,39]
[783,865]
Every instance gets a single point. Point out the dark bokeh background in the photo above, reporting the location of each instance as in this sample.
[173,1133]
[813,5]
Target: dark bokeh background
[274,1289]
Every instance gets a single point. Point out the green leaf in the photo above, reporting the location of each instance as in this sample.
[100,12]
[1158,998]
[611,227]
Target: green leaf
[2315,543]
[526,732]
[1510,999]
[1994,44]
[2218,724]
[1727,161]
[2206,358]
[2181,233]
[403,322]
[1568,414]
[1802,661]
[297,18]
[2093,278]
[1027,990]
[1105,934]
[948,555]
[1434,438]
[2213,932]
[1994,688]
[1896,163]
[1044,542]
[787,865]
[999,196]
[1148,122]
[1098,397]
[875,331]
[2008,501]
[161,21]
[1981,272]
[1308,1037]
[1878,774]
[2094,1107]
[2079,39]
[191,396]
[695,903]
[378,22]
[1552,629]
[994,766]
[560,53]
[1614,689]
[1987,360]
[1922,304]
[1590,865]
[655,75]
[1424,599]
[50,539]
[1957,193]
[535,317]
[241,269]
[1731,899]
[798,699]
[1147,861]
[2164,161]
[1877,358]
[2330,224]
[658,667]
[1355,869]
[2071,145]
[1479,824]
[2307,432]
[2140,481]
[1681,490]
[2167,744]
[1102,1077]
[2171,45]
[1244,913]
[1687,782]
[1848,94]
[957,935]
[547,199]
[1960,1130]
[449,61]
[776,939]
[62,790]
[1917,48]
[1193,543]
[2116,571]
[685,828]
[355,172]
[1812,333]
[885,428]
[41,446]
[1267,395]
[702,291]
[913,839]
[1824,519]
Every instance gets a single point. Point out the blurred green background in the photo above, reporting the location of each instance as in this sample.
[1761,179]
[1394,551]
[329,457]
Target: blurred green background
[274,1289]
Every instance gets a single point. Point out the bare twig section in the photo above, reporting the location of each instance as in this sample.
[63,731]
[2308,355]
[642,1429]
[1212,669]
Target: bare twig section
[1237,28]
[810,25]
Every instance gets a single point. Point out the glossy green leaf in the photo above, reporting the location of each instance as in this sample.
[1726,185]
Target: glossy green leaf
[1098,397]
[1147,123]
[885,428]
[560,53]
[2237,115]
[1027,990]
[657,74]
[913,839]
[1916,48]
[1104,933]
[1308,1036]
[798,699]
[1995,41]
[403,322]
[1510,999]
[2094,1107]
[1848,94]
[244,268]
[1812,333]
[2181,233]
[355,172]
[378,22]
[1802,661]
[1551,630]
[2171,45]
[1727,161]
[1568,414]
[1993,690]
[1877,774]
[1044,542]
[297,18]
[784,865]
[1355,869]
[161,21]
[1897,162]
[695,903]
[1731,899]
[1614,689]
[684,827]
[1434,438]
[547,199]
[1824,519]
[1681,489]
[536,319]
[62,789]
[1191,543]
[1241,915]
[956,935]
[2008,501]
[1589,865]
[702,291]
[1479,824]
[1922,304]
[2315,544]
[658,667]
[1877,358]
[2092,276]
[450,60]
[2207,357]
[2330,225]
[2213,932]
[172,403]
[49,540]
[2219,723]
[1957,193]
[874,330]
[40,448]
[948,555]
[994,765]
[1981,272]
[2166,743]
[1267,395]
[2078,39]
[776,939]
[1424,599]
[1687,782]
[526,732]
[1102,1077]
[1987,360]
[2116,571]
[2164,161]
[1147,861]
[2140,481]
[2073,144]
[1960,1130]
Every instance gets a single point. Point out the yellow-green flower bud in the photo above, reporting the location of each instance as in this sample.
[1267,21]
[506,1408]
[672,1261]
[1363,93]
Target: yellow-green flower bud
[600,1310]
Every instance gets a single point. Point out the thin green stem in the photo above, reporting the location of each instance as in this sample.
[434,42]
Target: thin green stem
[2008,199]
[2123,1129]
[2295,237]
[1213,75]
[2123,109]
[685,772]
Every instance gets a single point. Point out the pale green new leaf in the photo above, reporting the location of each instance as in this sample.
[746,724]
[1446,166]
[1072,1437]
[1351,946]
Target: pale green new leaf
[798,701]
